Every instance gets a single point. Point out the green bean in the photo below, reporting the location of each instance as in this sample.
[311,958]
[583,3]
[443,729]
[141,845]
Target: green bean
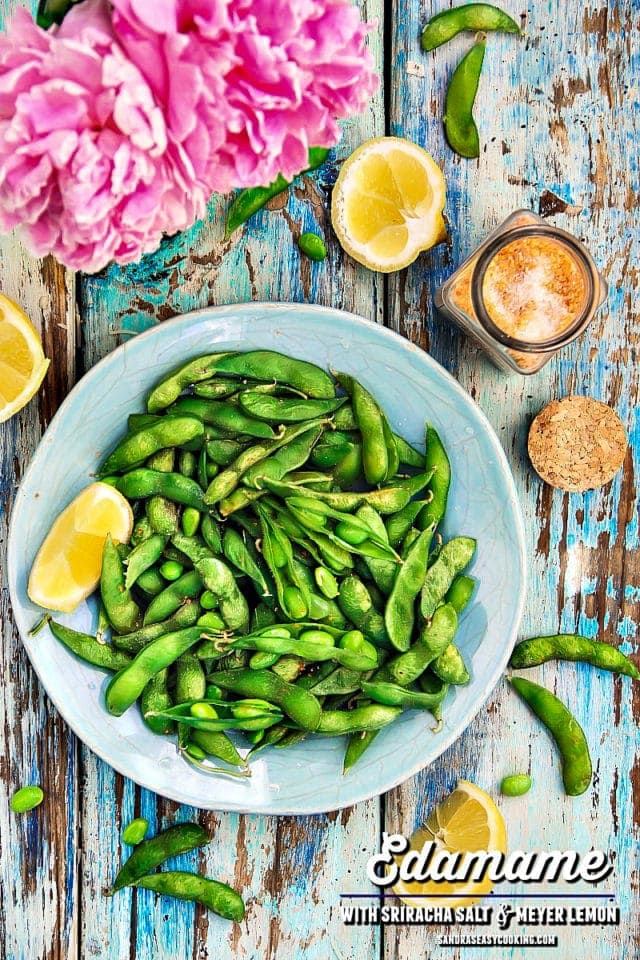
[334,723]
[398,615]
[516,785]
[218,578]
[436,459]
[286,409]
[145,555]
[460,592]
[135,449]
[247,202]
[26,799]
[567,646]
[453,558]
[189,586]
[271,366]
[393,695]
[459,126]
[434,638]
[359,741]
[470,16]
[141,483]
[565,730]
[135,831]
[185,616]
[181,838]
[155,698]
[217,897]
[170,388]
[122,610]
[88,648]
[298,704]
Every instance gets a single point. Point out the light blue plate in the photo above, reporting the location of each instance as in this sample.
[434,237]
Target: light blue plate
[482,503]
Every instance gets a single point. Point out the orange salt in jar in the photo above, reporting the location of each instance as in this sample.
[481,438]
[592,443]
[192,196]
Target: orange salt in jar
[525,293]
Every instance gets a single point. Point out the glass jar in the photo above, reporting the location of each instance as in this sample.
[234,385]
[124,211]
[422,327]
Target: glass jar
[527,291]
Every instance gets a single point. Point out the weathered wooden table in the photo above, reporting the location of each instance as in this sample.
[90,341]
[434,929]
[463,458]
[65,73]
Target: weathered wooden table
[556,111]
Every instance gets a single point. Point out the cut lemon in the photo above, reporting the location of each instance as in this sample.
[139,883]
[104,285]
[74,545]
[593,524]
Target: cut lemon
[387,203]
[466,821]
[67,567]
[22,361]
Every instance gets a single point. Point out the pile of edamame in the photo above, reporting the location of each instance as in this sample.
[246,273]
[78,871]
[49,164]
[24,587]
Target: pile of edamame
[285,575]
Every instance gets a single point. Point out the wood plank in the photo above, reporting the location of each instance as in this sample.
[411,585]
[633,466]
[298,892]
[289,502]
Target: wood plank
[39,862]
[551,112]
[292,869]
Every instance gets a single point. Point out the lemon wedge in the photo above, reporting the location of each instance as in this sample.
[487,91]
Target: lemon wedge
[387,203]
[22,361]
[67,567]
[466,821]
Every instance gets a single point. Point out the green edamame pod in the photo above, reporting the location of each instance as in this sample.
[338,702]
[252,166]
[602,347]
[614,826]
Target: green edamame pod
[127,685]
[170,388]
[301,705]
[386,500]
[156,697]
[187,463]
[189,586]
[370,420]
[194,548]
[141,531]
[470,16]
[334,723]
[218,578]
[459,126]
[145,555]
[141,483]
[247,202]
[191,683]
[450,666]
[408,454]
[393,454]
[190,521]
[399,615]
[330,451]
[217,897]
[135,449]
[565,730]
[216,389]
[211,534]
[355,602]
[436,459]
[223,415]
[122,610]
[394,695]
[567,646]
[341,680]
[288,457]
[237,552]
[149,854]
[217,745]
[267,365]
[286,409]
[224,452]
[453,558]
[359,741]
[460,592]
[88,648]
[185,616]
[433,639]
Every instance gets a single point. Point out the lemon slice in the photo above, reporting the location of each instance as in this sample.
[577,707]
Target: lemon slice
[22,362]
[387,203]
[466,821]
[67,567]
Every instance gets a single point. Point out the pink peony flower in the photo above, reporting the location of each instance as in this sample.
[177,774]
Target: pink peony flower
[254,83]
[117,126]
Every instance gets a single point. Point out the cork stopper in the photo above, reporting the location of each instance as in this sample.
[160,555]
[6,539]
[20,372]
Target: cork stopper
[577,443]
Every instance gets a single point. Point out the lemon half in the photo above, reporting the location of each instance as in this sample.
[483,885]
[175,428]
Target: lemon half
[387,203]
[22,360]
[68,565]
[466,821]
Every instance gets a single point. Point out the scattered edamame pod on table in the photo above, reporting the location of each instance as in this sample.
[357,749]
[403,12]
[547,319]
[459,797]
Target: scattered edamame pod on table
[567,646]
[459,126]
[470,16]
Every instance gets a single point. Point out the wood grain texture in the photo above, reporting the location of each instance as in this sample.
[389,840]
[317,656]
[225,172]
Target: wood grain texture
[554,111]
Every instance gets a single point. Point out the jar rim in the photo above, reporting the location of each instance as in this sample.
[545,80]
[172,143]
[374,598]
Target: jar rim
[582,319]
